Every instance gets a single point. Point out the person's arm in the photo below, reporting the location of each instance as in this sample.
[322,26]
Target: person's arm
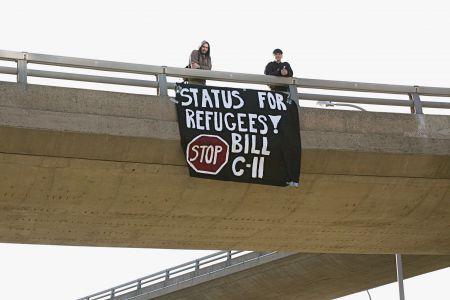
[270,70]
[208,65]
[289,69]
[194,59]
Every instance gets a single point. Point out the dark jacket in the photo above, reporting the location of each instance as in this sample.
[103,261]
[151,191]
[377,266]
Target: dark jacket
[274,68]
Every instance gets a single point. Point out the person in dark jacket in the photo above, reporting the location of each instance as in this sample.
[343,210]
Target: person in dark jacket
[200,59]
[278,68]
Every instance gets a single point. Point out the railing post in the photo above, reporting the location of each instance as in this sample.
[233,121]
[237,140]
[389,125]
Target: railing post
[139,284]
[228,263]
[417,105]
[22,71]
[162,85]
[293,94]
[167,274]
[112,294]
[197,265]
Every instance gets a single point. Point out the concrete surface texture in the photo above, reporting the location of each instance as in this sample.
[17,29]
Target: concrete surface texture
[83,167]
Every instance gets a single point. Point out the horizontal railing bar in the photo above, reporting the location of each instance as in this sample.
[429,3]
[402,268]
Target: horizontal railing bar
[203,262]
[182,269]
[84,63]
[125,288]
[433,91]
[150,279]
[209,256]
[99,297]
[160,273]
[228,76]
[104,294]
[8,70]
[213,259]
[91,78]
[211,272]
[11,55]
[353,86]
[351,99]
[182,265]
[435,104]
[133,284]
[200,260]
[104,65]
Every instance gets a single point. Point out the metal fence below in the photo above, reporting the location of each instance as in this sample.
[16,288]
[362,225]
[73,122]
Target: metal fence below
[216,262]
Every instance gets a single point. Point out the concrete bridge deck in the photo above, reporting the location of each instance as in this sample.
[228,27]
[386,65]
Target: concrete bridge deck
[303,277]
[299,276]
[83,167]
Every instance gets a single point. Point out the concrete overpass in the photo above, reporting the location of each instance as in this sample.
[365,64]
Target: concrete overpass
[83,167]
[271,276]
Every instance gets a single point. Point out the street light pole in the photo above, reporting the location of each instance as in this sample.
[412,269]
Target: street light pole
[398,261]
[332,104]
[398,257]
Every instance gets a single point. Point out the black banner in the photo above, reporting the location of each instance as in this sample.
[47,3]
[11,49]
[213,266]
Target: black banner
[239,134]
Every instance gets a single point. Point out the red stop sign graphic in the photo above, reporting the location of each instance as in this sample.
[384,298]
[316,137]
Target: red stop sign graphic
[207,154]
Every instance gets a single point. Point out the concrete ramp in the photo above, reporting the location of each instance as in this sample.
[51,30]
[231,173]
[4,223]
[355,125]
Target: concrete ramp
[83,167]
[278,275]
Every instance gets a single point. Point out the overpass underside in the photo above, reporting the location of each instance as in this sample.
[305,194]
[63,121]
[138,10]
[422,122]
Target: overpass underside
[96,168]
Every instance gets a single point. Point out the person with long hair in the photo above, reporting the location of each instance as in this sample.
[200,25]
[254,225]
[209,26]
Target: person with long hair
[200,59]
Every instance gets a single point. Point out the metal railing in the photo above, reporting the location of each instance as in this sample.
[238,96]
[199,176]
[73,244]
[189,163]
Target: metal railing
[160,279]
[161,73]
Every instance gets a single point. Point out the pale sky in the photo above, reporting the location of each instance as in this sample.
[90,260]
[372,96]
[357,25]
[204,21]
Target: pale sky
[396,42]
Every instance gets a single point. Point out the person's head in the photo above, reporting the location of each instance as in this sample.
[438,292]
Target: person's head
[205,48]
[278,54]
